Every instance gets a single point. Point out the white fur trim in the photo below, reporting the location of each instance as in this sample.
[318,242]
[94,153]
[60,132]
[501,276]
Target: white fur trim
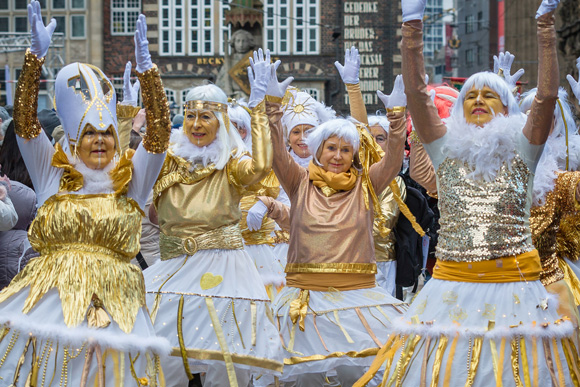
[95,181]
[76,336]
[486,148]
[182,147]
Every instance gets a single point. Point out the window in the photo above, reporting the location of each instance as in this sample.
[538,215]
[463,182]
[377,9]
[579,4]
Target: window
[469,28]
[226,30]
[201,27]
[469,57]
[20,4]
[170,94]
[479,55]
[124,14]
[4,24]
[3,4]
[58,4]
[480,20]
[60,24]
[314,93]
[276,26]
[21,24]
[77,26]
[77,4]
[306,31]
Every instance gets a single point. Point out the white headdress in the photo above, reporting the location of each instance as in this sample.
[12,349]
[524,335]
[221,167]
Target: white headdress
[302,109]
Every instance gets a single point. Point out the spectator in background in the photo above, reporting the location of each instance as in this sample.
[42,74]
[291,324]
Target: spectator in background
[11,159]
[48,120]
[177,121]
[8,217]
[9,109]
[4,116]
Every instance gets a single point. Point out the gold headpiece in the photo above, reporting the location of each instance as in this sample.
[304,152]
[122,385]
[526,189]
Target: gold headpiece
[206,105]
[233,102]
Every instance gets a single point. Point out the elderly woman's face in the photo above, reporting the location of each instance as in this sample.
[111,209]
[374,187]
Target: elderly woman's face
[297,140]
[201,127]
[380,136]
[336,155]
[481,105]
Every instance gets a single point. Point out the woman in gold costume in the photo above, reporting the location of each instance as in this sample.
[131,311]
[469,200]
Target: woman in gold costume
[485,317]
[76,315]
[331,314]
[205,295]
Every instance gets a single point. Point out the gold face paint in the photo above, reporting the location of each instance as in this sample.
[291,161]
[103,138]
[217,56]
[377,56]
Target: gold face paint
[481,105]
[97,148]
[200,126]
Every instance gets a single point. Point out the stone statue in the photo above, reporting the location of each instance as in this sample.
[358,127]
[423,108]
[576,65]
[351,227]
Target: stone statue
[241,43]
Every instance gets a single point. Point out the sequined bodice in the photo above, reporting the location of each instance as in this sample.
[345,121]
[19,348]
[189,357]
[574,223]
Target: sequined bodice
[483,220]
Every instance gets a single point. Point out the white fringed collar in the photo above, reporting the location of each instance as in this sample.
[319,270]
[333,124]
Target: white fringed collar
[182,147]
[95,181]
[485,149]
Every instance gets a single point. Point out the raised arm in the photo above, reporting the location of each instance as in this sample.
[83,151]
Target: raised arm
[35,147]
[252,170]
[537,128]
[383,172]
[349,73]
[423,112]
[150,154]
[127,109]
[420,166]
[277,211]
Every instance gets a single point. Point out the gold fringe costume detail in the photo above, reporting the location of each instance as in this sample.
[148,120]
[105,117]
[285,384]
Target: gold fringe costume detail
[404,209]
[26,124]
[156,140]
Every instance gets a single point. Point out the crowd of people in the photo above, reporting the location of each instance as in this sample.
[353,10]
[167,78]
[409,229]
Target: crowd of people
[270,241]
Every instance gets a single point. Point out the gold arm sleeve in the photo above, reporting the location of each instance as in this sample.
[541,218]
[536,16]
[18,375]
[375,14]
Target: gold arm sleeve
[358,109]
[253,170]
[156,140]
[26,123]
[125,115]
[421,169]
[539,121]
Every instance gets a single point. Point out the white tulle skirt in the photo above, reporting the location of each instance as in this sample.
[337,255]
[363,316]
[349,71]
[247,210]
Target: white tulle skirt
[341,328]
[213,309]
[386,276]
[38,348]
[482,334]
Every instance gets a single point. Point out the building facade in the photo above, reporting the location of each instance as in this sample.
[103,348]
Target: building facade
[78,38]
[477,26]
[188,39]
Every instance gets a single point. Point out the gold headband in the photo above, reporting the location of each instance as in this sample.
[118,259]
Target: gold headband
[205,105]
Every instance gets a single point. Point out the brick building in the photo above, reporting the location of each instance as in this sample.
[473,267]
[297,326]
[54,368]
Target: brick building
[187,40]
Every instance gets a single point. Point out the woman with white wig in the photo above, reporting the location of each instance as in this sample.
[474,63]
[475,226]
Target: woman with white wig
[331,314]
[205,295]
[76,315]
[485,317]
[555,215]
[239,115]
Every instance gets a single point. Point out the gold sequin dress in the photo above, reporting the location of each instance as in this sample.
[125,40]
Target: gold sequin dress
[205,295]
[76,314]
[485,317]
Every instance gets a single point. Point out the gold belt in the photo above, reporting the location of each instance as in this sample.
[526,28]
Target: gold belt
[227,237]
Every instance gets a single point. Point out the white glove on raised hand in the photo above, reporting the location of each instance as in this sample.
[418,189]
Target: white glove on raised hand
[40,35]
[573,83]
[256,215]
[349,73]
[504,63]
[546,7]
[413,9]
[142,55]
[130,92]
[259,74]
[275,88]
[397,96]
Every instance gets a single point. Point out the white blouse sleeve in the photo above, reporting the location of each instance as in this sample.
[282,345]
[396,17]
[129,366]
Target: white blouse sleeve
[146,168]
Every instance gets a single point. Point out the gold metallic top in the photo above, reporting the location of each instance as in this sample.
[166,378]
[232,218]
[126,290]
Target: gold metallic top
[193,203]
[86,243]
[26,123]
[206,105]
[556,227]
[156,139]
[125,115]
[269,187]
[385,246]
[483,220]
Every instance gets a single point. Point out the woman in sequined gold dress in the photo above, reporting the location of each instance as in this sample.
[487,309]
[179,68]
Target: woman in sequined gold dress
[76,315]
[485,317]
[205,295]
[331,314]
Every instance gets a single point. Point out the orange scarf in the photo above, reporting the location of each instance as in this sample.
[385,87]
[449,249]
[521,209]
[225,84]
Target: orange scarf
[329,182]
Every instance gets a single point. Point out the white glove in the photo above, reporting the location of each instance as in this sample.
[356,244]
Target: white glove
[256,215]
[575,86]
[259,74]
[142,55]
[504,63]
[413,9]
[546,7]
[40,35]
[397,96]
[275,88]
[130,92]
[349,73]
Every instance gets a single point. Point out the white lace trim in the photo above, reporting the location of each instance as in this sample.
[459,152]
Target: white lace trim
[486,148]
[302,161]
[182,147]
